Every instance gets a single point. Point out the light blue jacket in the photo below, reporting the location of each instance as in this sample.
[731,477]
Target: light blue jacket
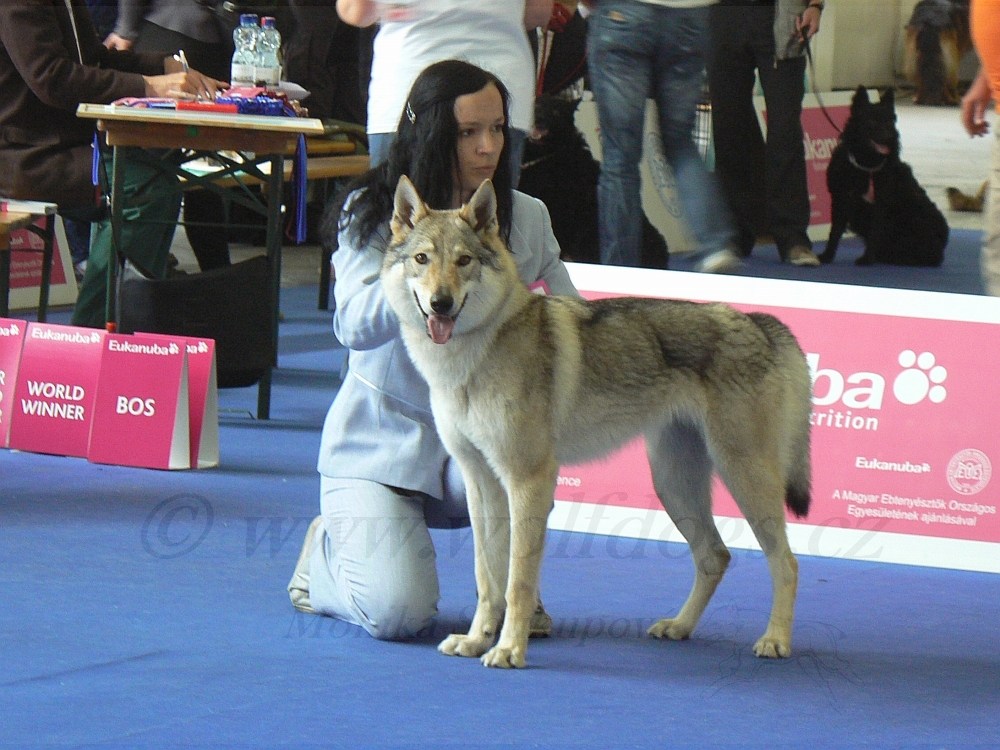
[379,426]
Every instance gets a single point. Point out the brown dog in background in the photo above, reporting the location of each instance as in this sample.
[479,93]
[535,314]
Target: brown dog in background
[937,36]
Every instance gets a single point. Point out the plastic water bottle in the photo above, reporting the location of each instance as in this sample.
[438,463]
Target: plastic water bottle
[245,38]
[268,71]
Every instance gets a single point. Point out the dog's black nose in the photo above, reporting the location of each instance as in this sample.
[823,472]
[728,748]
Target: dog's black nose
[442,303]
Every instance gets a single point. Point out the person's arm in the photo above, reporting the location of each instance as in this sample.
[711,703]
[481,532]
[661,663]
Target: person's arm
[130,16]
[552,270]
[975,104]
[360,13]
[807,25]
[362,319]
[537,13]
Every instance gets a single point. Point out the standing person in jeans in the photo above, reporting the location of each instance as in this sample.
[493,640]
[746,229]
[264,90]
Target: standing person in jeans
[653,48]
[763,178]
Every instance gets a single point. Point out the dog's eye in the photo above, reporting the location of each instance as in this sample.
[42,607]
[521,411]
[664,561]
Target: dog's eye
[421,258]
[463,260]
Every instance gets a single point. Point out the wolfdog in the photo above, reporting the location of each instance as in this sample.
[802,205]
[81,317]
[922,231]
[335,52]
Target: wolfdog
[521,383]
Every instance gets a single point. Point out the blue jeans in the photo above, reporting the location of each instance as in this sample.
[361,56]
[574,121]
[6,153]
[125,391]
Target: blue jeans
[638,50]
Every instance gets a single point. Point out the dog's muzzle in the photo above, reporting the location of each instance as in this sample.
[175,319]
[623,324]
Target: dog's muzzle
[440,324]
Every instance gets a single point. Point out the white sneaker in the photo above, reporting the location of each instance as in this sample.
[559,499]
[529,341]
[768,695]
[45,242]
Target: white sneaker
[721,261]
[800,255]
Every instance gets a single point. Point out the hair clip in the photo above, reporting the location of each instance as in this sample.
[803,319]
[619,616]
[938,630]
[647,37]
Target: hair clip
[409,114]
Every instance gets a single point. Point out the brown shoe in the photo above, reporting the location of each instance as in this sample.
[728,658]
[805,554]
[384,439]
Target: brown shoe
[540,625]
[801,255]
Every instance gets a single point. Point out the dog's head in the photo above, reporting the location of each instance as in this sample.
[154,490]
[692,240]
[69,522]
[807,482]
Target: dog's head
[870,132]
[554,119]
[444,271]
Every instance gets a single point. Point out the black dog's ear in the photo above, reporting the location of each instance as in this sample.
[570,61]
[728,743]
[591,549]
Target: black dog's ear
[887,98]
[860,98]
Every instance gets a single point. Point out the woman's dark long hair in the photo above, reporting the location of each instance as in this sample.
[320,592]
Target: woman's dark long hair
[425,149]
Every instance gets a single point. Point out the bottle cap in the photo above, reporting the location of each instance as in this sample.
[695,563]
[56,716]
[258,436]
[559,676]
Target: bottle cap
[268,22]
[246,18]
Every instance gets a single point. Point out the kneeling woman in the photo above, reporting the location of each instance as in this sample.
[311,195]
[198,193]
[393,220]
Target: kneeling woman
[385,477]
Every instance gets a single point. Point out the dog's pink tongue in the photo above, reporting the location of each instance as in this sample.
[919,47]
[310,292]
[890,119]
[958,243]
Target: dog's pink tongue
[440,328]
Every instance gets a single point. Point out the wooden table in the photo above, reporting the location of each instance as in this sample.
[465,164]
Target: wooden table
[258,141]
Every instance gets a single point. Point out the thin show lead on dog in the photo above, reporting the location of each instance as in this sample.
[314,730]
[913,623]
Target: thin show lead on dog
[521,383]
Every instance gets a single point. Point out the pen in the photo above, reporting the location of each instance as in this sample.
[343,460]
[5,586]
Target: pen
[182,59]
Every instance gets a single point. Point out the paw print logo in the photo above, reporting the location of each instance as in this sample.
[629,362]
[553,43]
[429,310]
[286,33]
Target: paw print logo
[921,378]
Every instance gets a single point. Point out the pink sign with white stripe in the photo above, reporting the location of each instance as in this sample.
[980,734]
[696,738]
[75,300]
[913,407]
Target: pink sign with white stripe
[141,410]
[55,391]
[11,340]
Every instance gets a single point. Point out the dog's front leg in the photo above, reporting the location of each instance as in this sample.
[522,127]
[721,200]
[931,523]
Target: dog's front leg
[531,499]
[491,540]
[838,225]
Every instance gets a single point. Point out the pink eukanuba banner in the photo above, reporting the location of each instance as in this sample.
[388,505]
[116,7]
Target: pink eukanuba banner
[904,434]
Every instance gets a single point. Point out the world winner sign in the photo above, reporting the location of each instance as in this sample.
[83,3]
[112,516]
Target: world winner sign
[56,387]
[903,423]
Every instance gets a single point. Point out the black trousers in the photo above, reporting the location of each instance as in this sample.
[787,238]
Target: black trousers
[210,244]
[764,181]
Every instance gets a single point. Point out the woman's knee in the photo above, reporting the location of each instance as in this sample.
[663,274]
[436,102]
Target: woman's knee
[398,613]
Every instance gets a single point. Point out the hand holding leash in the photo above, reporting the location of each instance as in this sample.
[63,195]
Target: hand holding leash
[807,25]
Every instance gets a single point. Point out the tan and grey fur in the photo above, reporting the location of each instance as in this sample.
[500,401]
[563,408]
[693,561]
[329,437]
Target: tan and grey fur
[521,383]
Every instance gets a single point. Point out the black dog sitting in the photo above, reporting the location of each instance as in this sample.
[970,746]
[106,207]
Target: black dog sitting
[559,169]
[876,194]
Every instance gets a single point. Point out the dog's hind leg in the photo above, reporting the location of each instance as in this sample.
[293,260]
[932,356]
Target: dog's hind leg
[491,538]
[757,485]
[682,477]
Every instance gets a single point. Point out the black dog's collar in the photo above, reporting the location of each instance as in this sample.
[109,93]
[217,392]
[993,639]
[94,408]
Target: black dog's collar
[869,170]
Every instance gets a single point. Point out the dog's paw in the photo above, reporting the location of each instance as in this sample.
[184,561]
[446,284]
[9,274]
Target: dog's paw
[670,628]
[825,257]
[865,260]
[769,647]
[505,657]
[463,645]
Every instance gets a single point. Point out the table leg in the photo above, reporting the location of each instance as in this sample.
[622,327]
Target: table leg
[48,238]
[274,194]
[117,217]
[4,275]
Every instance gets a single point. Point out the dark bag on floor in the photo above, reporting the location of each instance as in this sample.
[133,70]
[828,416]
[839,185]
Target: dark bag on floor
[231,305]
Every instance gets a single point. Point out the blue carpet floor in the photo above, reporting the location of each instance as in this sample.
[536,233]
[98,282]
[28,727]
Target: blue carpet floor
[146,609]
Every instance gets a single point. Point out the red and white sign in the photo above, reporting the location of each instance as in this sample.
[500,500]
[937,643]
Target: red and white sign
[11,340]
[141,410]
[56,386]
[26,268]
[904,435]
[203,399]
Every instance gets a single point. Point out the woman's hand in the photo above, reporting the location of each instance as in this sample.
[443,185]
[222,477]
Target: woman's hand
[975,103]
[190,85]
[807,25]
[116,42]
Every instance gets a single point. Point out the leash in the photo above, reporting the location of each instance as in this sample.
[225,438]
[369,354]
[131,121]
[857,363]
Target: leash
[812,78]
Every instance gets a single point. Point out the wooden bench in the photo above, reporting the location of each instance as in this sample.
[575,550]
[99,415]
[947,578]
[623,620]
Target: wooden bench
[22,215]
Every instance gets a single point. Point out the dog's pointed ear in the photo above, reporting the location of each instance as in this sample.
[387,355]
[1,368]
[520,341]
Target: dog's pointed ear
[408,208]
[860,98]
[481,210]
[887,98]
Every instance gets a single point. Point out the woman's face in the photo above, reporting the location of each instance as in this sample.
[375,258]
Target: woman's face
[480,140]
